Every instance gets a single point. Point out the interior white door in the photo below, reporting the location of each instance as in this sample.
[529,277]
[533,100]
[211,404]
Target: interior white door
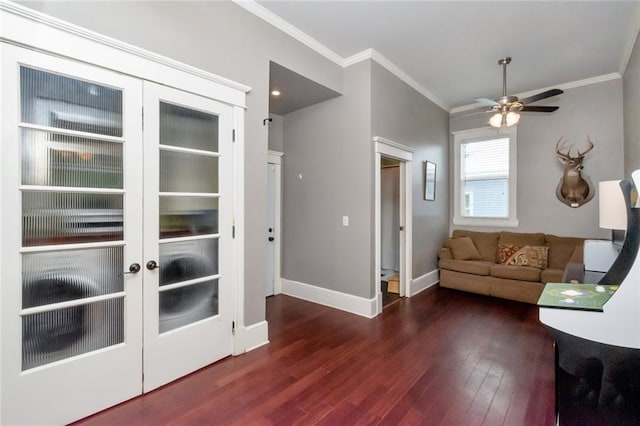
[271,224]
[188,230]
[70,319]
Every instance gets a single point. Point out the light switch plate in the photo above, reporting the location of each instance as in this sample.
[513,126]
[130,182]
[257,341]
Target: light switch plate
[345,220]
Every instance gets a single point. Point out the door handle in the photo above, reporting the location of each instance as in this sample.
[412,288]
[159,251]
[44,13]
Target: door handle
[151,265]
[134,268]
[271,238]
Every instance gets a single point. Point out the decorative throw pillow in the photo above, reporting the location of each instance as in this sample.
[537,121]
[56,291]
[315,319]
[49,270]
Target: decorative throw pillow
[534,256]
[506,250]
[463,248]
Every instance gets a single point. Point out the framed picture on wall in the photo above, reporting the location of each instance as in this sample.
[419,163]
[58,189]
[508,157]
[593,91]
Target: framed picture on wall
[429,181]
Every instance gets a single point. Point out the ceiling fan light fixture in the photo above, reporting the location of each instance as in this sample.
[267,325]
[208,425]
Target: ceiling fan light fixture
[512,118]
[496,120]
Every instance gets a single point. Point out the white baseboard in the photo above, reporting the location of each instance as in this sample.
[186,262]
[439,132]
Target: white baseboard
[425,281]
[334,299]
[251,337]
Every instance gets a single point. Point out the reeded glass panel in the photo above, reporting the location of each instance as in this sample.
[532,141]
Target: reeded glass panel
[63,333]
[51,159]
[187,260]
[57,101]
[188,173]
[53,277]
[184,216]
[187,128]
[62,218]
[185,305]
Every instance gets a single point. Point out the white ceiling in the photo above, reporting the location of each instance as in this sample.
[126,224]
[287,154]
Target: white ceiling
[451,48]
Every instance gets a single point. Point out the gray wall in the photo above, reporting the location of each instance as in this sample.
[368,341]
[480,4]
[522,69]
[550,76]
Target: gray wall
[222,38]
[594,110]
[330,145]
[403,115]
[632,113]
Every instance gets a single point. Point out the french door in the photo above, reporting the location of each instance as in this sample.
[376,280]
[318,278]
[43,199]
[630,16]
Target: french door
[187,191]
[115,240]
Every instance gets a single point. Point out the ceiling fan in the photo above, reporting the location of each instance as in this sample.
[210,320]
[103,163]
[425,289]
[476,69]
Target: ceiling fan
[507,109]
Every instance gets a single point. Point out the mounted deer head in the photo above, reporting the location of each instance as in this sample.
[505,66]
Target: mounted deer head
[574,189]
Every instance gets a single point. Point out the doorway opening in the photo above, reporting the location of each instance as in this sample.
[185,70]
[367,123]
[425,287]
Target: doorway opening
[389,230]
[393,221]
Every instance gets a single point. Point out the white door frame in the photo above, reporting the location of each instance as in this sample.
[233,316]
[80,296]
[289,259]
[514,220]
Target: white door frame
[404,154]
[275,159]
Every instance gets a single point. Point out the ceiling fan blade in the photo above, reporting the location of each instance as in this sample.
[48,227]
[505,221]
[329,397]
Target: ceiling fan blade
[487,101]
[539,108]
[540,96]
[474,111]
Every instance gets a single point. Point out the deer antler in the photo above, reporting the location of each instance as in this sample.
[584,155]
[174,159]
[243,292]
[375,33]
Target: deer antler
[582,154]
[560,146]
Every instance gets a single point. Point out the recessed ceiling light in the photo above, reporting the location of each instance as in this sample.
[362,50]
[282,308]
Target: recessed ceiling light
[275,92]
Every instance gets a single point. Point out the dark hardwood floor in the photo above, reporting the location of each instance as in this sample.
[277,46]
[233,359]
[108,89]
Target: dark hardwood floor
[440,358]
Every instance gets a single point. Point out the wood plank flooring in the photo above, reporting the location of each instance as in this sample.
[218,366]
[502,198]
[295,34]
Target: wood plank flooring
[440,358]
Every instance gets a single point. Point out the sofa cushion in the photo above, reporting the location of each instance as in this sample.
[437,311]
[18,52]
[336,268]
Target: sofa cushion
[561,249]
[513,272]
[505,251]
[551,275]
[485,242]
[444,253]
[535,256]
[476,267]
[522,238]
[463,248]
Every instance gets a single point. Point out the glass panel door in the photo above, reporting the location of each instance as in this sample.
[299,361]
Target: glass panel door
[187,143]
[73,233]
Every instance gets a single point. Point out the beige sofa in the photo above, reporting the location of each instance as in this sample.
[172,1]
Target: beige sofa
[524,273]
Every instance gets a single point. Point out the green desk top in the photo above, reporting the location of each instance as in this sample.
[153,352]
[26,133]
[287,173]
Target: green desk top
[583,297]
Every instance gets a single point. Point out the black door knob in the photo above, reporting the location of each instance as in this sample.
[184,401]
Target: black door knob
[151,265]
[271,238]
[134,268]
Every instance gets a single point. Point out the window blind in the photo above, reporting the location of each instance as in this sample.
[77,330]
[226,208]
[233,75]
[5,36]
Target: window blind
[485,178]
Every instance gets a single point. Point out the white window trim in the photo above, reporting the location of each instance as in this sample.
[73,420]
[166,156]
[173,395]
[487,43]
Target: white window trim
[480,134]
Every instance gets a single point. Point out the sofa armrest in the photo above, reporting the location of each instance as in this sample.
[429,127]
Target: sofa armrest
[445,253]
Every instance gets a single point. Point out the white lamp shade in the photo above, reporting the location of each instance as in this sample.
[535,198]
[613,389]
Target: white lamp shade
[512,118]
[496,120]
[613,210]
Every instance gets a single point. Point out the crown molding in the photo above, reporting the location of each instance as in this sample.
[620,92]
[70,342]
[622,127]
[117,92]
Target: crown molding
[358,57]
[304,38]
[631,41]
[398,72]
[395,70]
[265,14]
[58,24]
[564,86]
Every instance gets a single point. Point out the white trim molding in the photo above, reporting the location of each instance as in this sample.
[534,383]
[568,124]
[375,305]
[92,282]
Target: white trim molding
[331,298]
[304,38]
[252,337]
[389,148]
[424,282]
[284,26]
[393,149]
[381,60]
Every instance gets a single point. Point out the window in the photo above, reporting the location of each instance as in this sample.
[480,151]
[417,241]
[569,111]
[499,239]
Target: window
[485,177]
